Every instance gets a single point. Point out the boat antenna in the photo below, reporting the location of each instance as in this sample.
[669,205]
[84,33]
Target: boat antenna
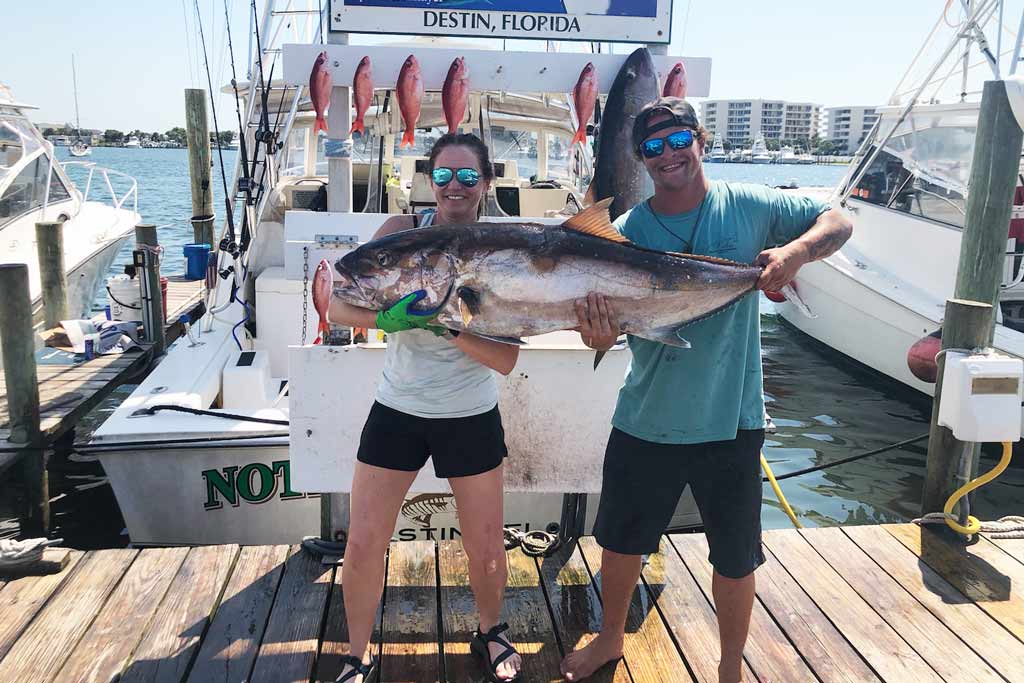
[216,132]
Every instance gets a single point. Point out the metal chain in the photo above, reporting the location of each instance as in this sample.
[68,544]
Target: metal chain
[305,292]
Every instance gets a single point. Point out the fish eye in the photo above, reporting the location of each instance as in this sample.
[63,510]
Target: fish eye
[383,259]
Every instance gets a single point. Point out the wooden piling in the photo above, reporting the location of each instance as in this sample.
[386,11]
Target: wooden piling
[22,386]
[197,133]
[969,320]
[53,278]
[147,262]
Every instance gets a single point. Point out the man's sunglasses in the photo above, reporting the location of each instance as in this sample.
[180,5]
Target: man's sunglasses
[655,147]
[469,177]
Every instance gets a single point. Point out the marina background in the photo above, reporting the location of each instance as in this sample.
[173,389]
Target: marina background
[824,406]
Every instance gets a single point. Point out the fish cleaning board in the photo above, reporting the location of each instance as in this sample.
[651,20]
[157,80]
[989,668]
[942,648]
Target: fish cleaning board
[555,408]
[489,70]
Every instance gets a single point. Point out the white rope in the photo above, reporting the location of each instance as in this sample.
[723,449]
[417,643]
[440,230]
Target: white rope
[15,554]
[1011,526]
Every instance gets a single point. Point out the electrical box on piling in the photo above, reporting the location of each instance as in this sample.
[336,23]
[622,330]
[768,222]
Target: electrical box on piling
[981,397]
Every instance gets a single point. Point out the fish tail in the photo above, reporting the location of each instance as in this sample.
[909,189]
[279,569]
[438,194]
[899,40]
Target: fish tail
[321,329]
[581,135]
[358,127]
[408,138]
[321,124]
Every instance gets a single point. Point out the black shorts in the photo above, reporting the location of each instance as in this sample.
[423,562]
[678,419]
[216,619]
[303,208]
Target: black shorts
[459,446]
[643,482]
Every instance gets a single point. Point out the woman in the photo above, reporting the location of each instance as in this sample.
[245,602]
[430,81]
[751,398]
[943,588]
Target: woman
[437,398]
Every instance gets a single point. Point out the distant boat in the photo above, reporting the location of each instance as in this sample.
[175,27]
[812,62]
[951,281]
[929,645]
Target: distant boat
[133,142]
[718,155]
[79,148]
[759,153]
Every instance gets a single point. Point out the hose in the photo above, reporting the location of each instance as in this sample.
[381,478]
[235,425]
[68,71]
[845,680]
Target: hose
[778,493]
[973,523]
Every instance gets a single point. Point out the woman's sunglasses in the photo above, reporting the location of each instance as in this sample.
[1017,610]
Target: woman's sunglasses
[655,147]
[469,177]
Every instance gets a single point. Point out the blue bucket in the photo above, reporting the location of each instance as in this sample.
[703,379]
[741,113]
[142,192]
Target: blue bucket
[196,258]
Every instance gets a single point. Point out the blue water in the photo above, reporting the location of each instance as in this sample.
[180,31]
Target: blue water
[825,406]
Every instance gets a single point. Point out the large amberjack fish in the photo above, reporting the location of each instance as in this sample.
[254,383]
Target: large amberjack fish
[362,88]
[509,280]
[618,172]
[320,91]
[410,97]
[455,94]
[584,97]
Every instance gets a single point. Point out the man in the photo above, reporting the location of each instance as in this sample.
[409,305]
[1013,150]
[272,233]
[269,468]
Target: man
[694,416]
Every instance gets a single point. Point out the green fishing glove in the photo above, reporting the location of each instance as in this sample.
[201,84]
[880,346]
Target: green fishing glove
[399,318]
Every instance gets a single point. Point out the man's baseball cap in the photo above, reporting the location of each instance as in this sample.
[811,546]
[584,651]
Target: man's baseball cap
[679,111]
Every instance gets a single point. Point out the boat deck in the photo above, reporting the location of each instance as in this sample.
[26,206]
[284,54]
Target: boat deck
[868,603]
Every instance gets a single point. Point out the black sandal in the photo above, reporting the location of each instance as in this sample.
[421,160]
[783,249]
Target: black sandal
[368,671]
[479,647]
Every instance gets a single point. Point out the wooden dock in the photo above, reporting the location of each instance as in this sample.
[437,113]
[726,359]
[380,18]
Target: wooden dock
[886,603]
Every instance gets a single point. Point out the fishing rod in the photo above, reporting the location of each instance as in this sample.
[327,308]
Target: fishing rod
[245,184]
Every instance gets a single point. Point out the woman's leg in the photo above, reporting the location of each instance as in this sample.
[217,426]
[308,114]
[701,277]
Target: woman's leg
[480,502]
[377,495]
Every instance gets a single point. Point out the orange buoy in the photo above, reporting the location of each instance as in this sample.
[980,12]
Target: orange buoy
[921,357]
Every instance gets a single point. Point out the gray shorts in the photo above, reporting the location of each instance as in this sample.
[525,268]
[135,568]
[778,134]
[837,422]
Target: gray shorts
[643,481]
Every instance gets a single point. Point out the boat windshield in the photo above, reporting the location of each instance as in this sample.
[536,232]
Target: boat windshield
[925,166]
[24,170]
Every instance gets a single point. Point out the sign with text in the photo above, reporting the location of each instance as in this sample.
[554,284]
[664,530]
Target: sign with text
[620,21]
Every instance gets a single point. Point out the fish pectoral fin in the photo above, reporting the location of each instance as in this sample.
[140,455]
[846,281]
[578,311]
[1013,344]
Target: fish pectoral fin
[467,315]
[469,303]
[670,335]
[595,220]
[514,341]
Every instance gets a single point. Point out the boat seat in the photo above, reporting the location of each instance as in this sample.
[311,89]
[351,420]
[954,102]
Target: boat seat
[537,202]
[421,195]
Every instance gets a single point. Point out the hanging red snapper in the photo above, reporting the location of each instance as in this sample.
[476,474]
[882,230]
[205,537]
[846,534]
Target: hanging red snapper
[584,95]
[362,86]
[455,94]
[675,83]
[320,91]
[410,94]
[323,283]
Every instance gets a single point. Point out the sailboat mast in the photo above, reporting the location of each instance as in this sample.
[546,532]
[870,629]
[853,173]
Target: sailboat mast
[74,81]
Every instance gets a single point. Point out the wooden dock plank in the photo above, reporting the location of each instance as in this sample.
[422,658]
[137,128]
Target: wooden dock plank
[105,649]
[887,653]
[687,613]
[40,650]
[458,614]
[21,600]
[576,609]
[977,571]
[1014,547]
[410,651]
[335,641]
[648,649]
[944,651]
[173,637]
[821,644]
[768,651]
[229,648]
[531,629]
[1000,649]
[289,648]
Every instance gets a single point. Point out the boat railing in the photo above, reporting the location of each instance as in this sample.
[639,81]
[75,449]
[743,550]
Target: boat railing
[118,202]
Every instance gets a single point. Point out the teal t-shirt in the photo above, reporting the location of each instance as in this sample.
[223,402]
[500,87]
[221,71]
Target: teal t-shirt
[709,391]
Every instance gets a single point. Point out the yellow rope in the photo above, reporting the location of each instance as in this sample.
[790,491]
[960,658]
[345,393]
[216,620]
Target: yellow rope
[778,493]
[973,523]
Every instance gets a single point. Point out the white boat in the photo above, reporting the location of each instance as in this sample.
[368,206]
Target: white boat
[759,153]
[906,194]
[787,155]
[78,148]
[34,187]
[718,154]
[220,477]
[133,142]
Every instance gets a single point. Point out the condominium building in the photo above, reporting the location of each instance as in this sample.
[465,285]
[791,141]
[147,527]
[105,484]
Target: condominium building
[739,120]
[847,126]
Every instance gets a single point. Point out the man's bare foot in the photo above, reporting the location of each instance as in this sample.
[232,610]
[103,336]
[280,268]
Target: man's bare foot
[582,663]
[509,668]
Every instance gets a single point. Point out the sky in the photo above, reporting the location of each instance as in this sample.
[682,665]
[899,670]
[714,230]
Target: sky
[133,59]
